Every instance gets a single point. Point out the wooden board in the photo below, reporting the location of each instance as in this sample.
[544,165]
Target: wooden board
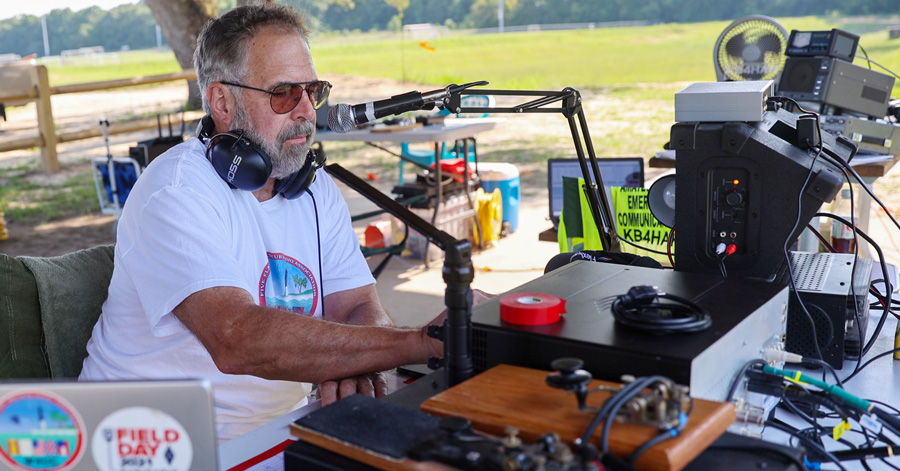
[395,127]
[507,396]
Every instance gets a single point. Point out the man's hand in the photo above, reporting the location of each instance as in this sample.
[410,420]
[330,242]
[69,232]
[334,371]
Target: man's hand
[437,346]
[372,385]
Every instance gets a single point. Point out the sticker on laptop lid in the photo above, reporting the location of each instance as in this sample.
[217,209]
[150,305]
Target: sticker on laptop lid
[141,439]
[40,431]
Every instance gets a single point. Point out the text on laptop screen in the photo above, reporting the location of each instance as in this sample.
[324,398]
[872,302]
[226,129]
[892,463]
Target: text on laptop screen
[626,171]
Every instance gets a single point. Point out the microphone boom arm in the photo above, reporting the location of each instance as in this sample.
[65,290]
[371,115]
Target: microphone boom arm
[458,271]
[569,101]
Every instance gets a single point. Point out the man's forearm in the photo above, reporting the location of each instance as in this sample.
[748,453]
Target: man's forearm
[244,338]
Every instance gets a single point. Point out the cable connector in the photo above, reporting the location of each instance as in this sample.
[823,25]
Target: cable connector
[720,248]
[812,464]
[774,355]
[808,134]
[638,295]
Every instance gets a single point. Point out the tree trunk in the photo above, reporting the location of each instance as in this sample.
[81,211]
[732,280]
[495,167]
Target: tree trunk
[181,21]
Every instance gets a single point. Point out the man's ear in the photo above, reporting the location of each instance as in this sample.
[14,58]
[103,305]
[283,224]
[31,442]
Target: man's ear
[221,105]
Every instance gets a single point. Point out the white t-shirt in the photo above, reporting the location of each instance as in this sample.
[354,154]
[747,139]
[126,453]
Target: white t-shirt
[182,230]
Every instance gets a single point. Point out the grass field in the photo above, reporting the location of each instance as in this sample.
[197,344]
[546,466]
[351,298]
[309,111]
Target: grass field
[631,74]
[584,59]
[112,66]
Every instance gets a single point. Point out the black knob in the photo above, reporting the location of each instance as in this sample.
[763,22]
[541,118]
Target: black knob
[734,199]
[568,374]
[567,365]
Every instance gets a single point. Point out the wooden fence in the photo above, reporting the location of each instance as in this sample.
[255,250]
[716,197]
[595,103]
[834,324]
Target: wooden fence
[26,83]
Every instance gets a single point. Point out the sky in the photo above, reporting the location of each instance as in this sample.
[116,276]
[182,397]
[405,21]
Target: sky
[13,8]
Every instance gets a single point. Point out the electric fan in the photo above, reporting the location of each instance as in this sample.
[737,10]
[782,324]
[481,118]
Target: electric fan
[750,48]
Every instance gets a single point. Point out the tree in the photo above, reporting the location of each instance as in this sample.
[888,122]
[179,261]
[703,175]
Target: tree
[400,5]
[181,21]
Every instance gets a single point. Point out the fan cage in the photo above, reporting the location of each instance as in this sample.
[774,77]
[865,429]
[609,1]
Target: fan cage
[751,48]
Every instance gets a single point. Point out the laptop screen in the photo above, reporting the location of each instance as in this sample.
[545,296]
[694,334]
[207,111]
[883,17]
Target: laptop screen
[619,171]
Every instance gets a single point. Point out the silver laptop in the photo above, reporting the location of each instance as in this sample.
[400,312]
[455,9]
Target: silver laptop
[107,426]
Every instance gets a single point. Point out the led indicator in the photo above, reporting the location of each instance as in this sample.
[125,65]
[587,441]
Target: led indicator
[736,182]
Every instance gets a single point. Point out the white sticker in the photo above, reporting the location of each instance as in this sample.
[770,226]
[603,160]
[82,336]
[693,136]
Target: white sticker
[870,422]
[141,439]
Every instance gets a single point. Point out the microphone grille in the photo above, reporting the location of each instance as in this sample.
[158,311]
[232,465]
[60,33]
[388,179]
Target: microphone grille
[340,118]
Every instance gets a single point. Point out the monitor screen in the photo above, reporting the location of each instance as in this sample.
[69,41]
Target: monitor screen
[619,171]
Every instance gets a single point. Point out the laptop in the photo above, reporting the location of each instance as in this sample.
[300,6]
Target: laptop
[106,426]
[618,171]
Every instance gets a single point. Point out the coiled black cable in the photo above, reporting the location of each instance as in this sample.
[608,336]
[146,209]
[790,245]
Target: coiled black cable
[639,308]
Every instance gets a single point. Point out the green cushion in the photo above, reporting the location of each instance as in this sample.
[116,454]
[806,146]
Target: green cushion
[71,291]
[22,352]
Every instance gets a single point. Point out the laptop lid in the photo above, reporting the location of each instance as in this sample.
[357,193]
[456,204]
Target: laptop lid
[106,426]
[617,171]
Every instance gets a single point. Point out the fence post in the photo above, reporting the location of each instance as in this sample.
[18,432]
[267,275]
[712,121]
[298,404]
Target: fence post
[46,127]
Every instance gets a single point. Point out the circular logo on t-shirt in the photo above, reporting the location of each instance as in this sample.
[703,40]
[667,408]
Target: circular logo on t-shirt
[288,285]
[141,439]
[39,431]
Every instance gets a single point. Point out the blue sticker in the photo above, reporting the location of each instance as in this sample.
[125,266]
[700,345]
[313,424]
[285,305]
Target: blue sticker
[39,431]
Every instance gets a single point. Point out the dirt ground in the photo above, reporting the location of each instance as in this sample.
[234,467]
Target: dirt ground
[83,110]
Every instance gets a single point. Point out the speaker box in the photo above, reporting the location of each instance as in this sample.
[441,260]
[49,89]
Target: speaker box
[837,83]
[821,280]
[739,183]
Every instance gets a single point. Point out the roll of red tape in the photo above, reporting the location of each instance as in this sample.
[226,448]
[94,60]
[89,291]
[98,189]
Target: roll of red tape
[531,308]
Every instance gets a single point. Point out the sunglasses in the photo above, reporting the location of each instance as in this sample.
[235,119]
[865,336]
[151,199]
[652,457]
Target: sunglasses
[285,97]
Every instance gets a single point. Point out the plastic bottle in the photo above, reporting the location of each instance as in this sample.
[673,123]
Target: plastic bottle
[841,234]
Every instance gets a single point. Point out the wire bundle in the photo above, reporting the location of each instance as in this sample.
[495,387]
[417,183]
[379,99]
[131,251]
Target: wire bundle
[640,308]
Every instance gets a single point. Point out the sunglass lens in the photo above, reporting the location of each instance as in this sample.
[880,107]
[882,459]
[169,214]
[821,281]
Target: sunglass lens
[285,98]
[318,93]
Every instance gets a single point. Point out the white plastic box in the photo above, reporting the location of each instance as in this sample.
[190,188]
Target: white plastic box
[723,101]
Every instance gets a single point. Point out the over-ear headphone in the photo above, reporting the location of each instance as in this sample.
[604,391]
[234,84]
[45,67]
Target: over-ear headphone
[245,166]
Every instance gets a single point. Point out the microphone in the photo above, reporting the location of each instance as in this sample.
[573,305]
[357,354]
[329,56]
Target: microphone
[343,117]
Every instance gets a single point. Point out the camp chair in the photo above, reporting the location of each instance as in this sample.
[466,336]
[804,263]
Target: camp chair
[49,308]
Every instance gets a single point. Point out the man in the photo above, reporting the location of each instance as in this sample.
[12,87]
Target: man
[206,274]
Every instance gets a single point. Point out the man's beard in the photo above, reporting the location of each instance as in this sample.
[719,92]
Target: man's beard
[285,161]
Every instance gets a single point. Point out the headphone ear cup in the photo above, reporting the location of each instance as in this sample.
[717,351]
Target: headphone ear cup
[293,185]
[240,162]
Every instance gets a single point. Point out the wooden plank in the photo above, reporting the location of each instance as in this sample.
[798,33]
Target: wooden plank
[46,126]
[507,396]
[20,143]
[121,128]
[395,127]
[186,74]
[17,79]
